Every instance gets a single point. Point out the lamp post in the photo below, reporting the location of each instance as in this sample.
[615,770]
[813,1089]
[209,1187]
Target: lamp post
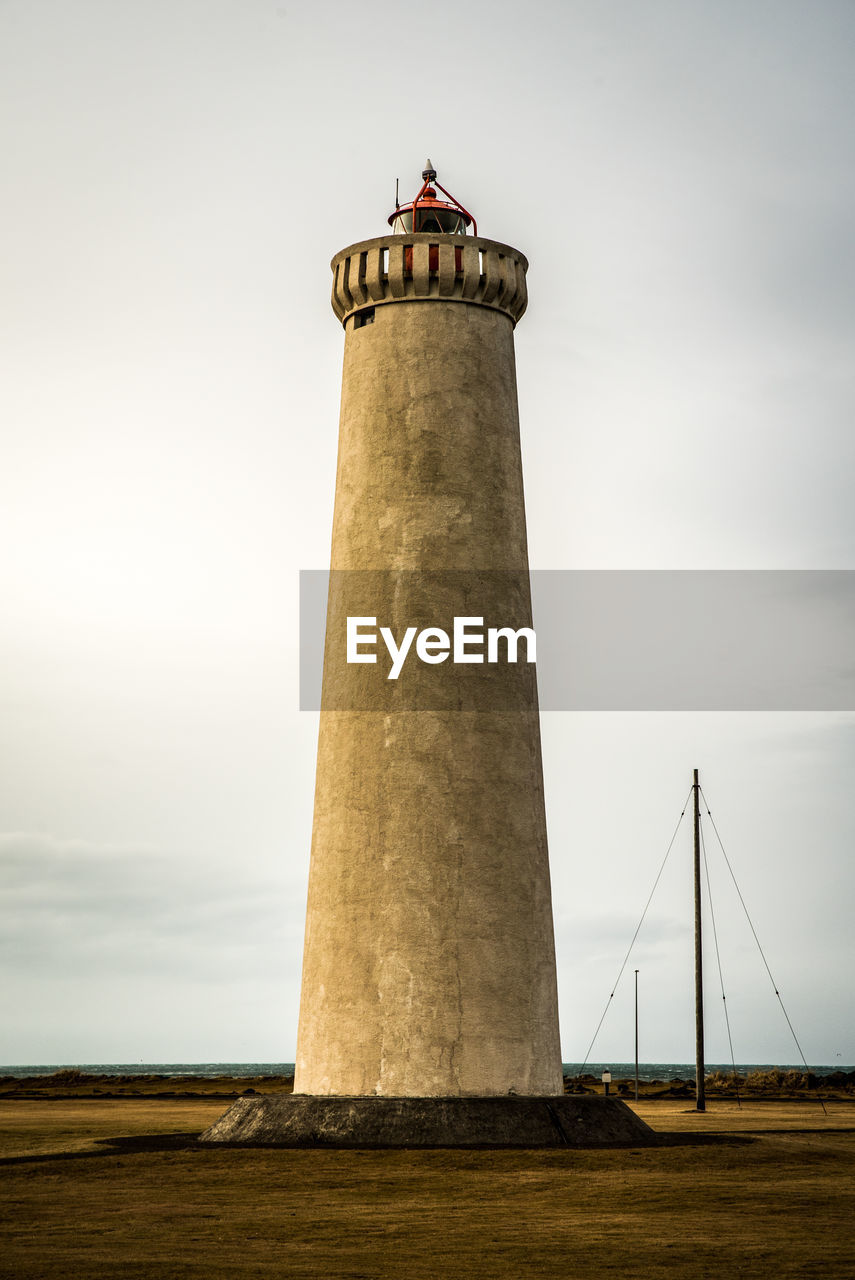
[636,1035]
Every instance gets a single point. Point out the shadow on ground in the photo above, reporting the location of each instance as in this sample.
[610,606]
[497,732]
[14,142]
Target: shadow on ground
[152,1142]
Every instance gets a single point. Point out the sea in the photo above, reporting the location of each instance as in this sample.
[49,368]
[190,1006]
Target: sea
[664,1071]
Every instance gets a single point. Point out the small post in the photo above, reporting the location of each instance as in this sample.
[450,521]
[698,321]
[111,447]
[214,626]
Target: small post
[700,1099]
[607,1079]
[636,1035]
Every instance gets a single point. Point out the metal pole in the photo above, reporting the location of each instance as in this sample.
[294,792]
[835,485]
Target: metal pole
[636,1035]
[700,1104]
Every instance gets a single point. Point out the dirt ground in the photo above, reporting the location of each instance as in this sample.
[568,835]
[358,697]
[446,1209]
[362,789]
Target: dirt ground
[117,1187]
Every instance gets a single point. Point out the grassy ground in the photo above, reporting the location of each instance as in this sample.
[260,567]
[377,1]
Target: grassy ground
[97,1187]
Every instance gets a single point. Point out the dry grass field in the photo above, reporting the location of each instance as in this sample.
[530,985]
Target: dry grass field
[117,1187]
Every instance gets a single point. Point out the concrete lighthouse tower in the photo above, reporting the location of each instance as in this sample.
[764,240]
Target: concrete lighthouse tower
[429,1006]
[429,965]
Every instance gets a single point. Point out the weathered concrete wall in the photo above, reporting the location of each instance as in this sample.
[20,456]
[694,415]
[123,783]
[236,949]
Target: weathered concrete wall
[286,1120]
[429,960]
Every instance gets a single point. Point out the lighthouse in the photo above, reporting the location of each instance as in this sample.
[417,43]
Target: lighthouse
[429,1007]
[429,965]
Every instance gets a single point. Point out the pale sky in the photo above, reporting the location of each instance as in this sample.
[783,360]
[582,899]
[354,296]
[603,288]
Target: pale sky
[175,179]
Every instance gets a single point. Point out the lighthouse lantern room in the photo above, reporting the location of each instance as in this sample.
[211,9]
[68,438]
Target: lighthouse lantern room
[431,215]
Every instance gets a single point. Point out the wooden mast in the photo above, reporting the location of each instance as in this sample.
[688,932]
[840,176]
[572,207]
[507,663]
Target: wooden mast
[700,1104]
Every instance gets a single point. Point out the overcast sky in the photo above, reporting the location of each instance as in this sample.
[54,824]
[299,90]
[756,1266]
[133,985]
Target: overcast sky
[175,179]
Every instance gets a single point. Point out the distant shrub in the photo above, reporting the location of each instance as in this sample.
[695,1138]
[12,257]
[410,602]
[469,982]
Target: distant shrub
[724,1080]
[782,1081]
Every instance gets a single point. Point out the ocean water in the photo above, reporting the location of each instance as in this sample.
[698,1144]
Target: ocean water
[237,1070]
[686,1070]
[242,1070]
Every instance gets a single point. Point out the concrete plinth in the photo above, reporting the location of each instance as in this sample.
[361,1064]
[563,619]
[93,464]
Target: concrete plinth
[302,1120]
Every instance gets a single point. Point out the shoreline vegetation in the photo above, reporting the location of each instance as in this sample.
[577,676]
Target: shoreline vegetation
[774,1083]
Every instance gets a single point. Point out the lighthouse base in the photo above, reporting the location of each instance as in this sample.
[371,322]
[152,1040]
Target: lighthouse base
[311,1120]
